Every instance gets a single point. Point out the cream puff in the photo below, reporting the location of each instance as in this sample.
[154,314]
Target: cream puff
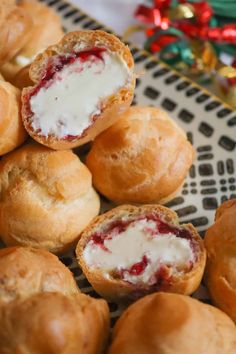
[54,323]
[47,198]
[220,243]
[132,251]
[15,26]
[144,157]
[25,271]
[80,86]
[45,30]
[173,324]
[12,132]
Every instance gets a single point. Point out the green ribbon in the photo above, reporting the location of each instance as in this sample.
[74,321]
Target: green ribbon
[176,52]
[180,50]
[173,53]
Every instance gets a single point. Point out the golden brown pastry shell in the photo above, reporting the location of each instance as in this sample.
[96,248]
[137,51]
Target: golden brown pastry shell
[45,30]
[143,158]
[25,271]
[54,323]
[173,324]
[46,198]
[12,132]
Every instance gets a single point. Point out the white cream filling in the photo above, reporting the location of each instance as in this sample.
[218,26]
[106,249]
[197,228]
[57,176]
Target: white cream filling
[129,247]
[74,96]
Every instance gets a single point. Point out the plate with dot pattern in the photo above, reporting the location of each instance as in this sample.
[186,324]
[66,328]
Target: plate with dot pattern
[210,126]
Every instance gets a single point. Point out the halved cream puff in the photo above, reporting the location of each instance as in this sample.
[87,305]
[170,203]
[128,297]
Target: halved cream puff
[131,251]
[80,87]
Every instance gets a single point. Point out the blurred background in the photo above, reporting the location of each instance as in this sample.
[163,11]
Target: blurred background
[117,14]
[196,37]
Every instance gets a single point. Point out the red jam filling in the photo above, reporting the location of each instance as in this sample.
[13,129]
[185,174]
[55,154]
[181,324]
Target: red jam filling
[116,227]
[56,64]
[138,268]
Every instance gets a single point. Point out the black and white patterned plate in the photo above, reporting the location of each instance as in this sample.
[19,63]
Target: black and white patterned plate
[210,126]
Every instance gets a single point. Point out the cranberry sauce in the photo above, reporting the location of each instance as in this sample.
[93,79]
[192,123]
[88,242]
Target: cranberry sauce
[116,227]
[137,268]
[160,282]
[54,65]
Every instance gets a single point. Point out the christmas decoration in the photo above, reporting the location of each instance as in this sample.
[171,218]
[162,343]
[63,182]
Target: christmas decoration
[193,36]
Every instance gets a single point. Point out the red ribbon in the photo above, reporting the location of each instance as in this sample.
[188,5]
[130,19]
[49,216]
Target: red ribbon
[225,34]
[148,15]
[162,4]
[203,12]
[199,28]
[161,42]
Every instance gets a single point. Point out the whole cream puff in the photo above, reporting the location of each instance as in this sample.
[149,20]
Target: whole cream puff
[46,198]
[26,271]
[54,323]
[142,158]
[165,323]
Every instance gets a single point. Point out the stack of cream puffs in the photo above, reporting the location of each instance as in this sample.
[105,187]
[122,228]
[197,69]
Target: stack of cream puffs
[59,92]
[77,90]
[47,198]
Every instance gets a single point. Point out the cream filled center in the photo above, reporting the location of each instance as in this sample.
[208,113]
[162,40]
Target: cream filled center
[138,242]
[67,105]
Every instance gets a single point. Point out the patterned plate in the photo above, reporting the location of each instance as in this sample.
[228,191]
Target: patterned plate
[210,126]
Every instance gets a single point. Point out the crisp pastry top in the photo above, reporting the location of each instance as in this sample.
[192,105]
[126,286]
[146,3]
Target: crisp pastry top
[54,323]
[143,157]
[80,41]
[45,30]
[59,173]
[46,198]
[173,324]
[25,271]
